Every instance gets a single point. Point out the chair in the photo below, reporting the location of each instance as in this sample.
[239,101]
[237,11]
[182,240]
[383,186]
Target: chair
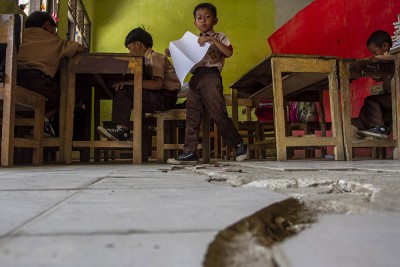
[14,98]
[180,115]
[250,130]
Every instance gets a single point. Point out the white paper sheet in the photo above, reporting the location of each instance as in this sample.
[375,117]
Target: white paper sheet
[185,53]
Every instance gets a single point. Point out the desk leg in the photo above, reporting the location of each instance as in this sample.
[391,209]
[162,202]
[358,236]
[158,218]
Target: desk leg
[63,106]
[337,129]
[279,112]
[323,120]
[346,108]
[136,66]
[396,108]
[69,114]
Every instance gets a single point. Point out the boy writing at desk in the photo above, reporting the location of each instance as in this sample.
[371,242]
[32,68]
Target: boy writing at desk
[205,88]
[160,86]
[377,109]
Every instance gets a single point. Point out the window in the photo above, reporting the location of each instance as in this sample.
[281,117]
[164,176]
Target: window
[78,23]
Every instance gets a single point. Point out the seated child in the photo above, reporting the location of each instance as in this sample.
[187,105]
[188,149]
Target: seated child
[377,108]
[38,59]
[205,96]
[160,87]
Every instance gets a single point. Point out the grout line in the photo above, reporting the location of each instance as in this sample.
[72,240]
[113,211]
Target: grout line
[114,233]
[32,220]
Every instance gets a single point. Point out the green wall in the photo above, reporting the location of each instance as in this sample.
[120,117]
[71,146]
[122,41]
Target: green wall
[247,23]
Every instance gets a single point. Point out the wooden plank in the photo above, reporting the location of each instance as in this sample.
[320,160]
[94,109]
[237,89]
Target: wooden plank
[292,141]
[242,102]
[337,128]
[136,67]
[37,153]
[101,64]
[5,20]
[7,139]
[174,114]
[103,144]
[64,76]
[297,64]
[291,83]
[372,142]
[173,146]
[371,67]
[160,138]
[279,112]
[26,143]
[69,113]
[52,142]
[265,142]
[323,120]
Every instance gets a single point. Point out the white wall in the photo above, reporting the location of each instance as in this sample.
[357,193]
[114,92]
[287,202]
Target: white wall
[286,9]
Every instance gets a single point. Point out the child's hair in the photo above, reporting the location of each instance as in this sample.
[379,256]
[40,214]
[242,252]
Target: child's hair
[378,38]
[139,35]
[38,18]
[208,6]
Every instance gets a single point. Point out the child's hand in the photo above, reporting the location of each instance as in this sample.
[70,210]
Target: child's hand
[120,85]
[203,39]
[167,52]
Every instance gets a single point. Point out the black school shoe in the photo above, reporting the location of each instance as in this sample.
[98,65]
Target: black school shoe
[116,133]
[241,151]
[377,131]
[187,157]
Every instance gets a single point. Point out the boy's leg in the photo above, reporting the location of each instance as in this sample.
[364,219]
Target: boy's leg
[121,114]
[122,106]
[36,81]
[215,106]
[194,114]
[371,113]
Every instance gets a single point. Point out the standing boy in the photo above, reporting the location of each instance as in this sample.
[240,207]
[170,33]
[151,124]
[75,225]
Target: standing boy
[205,88]
[377,109]
[160,86]
[38,58]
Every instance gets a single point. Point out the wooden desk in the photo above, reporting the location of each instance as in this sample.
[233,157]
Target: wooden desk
[103,64]
[293,77]
[352,69]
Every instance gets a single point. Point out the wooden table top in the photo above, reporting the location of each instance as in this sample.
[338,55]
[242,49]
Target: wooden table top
[257,82]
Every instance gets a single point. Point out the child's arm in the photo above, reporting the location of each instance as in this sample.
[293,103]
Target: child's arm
[154,84]
[226,50]
[81,49]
